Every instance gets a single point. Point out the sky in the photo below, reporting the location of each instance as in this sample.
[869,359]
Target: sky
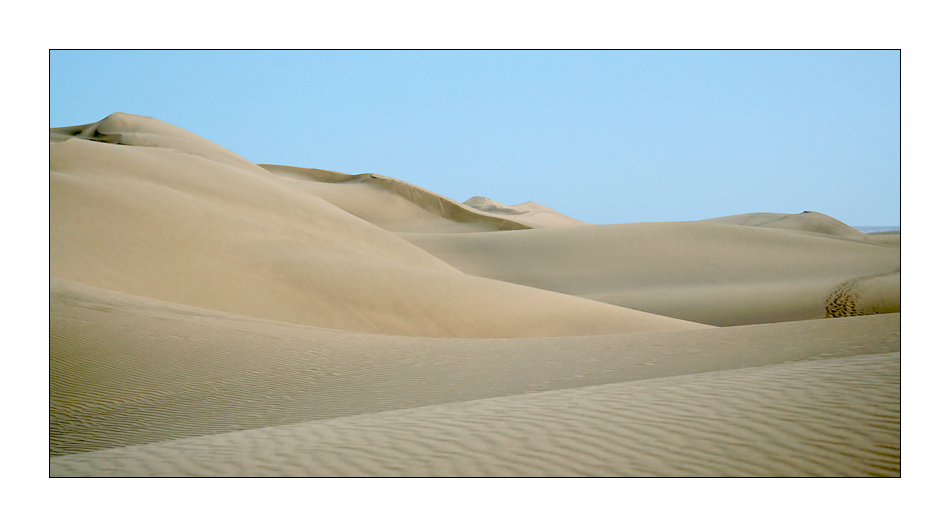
[601,136]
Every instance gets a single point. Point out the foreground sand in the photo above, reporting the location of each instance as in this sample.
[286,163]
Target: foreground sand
[796,398]
[829,417]
[209,316]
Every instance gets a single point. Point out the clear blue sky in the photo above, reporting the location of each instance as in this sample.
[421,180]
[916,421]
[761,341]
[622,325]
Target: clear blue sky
[605,136]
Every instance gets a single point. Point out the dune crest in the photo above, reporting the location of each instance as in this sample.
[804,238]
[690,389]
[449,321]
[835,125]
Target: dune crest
[135,130]
[160,213]
[529,213]
[214,317]
[807,221]
[360,197]
[716,273]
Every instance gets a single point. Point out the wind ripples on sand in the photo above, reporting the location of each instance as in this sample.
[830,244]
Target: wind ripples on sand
[828,417]
[210,316]
[125,372]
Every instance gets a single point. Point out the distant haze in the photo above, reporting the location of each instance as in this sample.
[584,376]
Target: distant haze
[604,137]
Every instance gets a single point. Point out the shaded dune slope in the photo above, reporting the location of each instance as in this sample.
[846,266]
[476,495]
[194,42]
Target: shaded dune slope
[128,370]
[829,417]
[402,207]
[710,272]
[887,239]
[214,317]
[158,212]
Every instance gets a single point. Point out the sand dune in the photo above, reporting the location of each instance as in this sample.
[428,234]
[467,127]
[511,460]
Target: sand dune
[887,239]
[179,221]
[360,196]
[211,316]
[719,274]
[394,205]
[127,370]
[830,417]
[808,221]
[529,213]
[398,206]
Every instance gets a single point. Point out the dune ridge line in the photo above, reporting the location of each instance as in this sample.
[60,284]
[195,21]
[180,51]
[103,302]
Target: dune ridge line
[210,316]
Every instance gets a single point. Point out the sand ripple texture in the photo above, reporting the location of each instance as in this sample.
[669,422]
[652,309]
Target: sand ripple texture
[827,417]
[210,316]
[127,370]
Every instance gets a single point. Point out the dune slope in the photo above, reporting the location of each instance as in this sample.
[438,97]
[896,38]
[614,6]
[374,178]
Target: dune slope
[529,213]
[710,272]
[128,370]
[807,221]
[402,207]
[829,417]
[214,317]
[157,212]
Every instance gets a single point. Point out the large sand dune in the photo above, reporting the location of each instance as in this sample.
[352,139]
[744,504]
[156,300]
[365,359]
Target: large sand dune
[173,217]
[714,273]
[402,207]
[211,316]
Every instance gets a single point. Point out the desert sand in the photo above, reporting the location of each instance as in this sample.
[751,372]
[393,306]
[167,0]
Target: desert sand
[214,317]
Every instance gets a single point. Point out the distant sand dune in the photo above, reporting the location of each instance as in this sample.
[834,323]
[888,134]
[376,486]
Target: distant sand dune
[402,207]
[808,221]
[529,213]
[709,272]
[360,195]
[887,239]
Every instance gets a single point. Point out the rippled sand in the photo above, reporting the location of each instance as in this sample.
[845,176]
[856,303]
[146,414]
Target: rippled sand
[209,316]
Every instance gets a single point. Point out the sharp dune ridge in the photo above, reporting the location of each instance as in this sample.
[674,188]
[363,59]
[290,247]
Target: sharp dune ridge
[529,213]
[210,316]
[416,197]
[174,225]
